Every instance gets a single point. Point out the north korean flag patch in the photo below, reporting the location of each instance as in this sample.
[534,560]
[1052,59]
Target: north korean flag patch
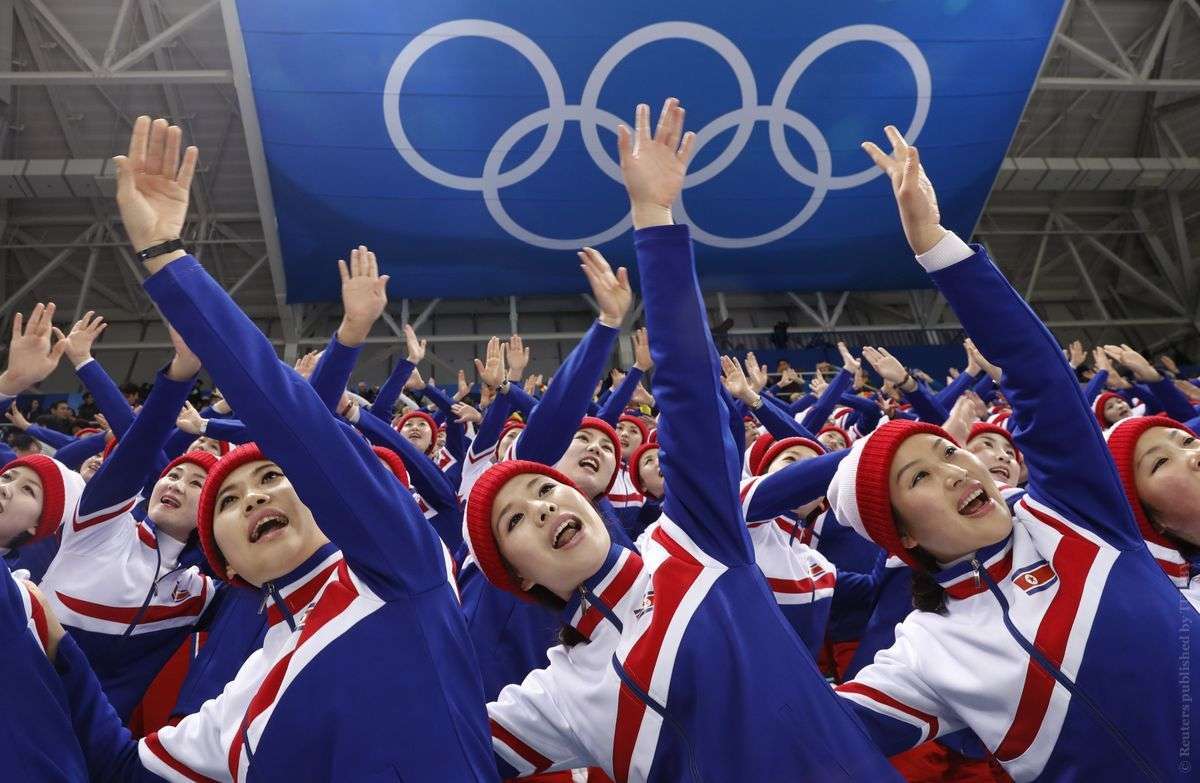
[1035,578]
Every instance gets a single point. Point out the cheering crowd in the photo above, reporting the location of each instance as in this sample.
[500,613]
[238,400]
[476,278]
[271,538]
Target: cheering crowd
[693,576]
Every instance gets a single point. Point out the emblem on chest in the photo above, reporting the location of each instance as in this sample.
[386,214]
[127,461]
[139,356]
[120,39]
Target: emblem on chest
[1035,578]
[646,606]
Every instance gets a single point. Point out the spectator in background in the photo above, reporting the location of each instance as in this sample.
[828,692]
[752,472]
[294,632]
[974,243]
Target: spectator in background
[60,419]
[23,444]
[779,338]
[366,391]
[32,408]
[88,409]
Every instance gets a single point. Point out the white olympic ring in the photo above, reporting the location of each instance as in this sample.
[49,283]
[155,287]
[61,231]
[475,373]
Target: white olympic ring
[587,113]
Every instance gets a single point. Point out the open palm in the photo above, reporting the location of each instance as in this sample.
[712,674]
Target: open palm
[152,183]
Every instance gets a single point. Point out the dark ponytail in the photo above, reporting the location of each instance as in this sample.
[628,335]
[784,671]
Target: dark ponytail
[928,595]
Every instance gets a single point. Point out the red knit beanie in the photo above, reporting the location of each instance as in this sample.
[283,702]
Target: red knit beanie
[108,447]
[477,520]
[635,464]
[1098,407]
[602,426]
[757,450]
[982,428]
[653,436]
[61,488]
[433,427]
[637,422]
[206,509]
[780,446]
[1122,442]
[840,431]
[201,459]
[394,463]
[860,493]
[83,432]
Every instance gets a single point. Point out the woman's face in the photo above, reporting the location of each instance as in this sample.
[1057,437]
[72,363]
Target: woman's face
[789,456]
[998,456]
[1166,469]
[629,435]
[20,503]
[204,443]
[90,466]
[944,499]
[650,473]
[260,524]
[832,441]
[418,433]
[589,461]
[174,499]
[751,433]
[1116,409]
[549,533]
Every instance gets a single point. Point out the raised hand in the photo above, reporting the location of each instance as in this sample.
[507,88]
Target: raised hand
[888,366]
[1169,364]
[81,337]
[152,186]
[17,418]
[654,167]
[416,348]
[415,382]
[1137,364]
[364,296]
[491,370]
[532,383]
[789,377]
[736,382]
[1100,360]
[991,369]
[31,358]
[641,350]
[642,397]
[189,420]
[516,356]
[967,410]
[612,291]
[186,364]
[1075,354]
[915,197]
[818,383]
[103,422]
[464,388]
[465,414]
[757,373]
[849,363]
[305,365]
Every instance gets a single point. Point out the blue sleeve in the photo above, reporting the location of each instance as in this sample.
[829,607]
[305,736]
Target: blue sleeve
[332,372]
[229,430]
[109,398]
[866,412]
[1069,464]
[854,590]
[804,403]
[953,390]
[1153,405]
[52,438]
[985,388]
[177,443]
[7,455]
[818,414]
[793,486]
[74,453]
[1193,423]
[109,749]
[456,434]
[556,419]
[425,476]
[701,463]
[1174,403]
[778,422]
[124,472]
[611,408]
[1095,386]
[487,435]
[522,402]
[390,391]
[354,498]
[737,413]
[926,408]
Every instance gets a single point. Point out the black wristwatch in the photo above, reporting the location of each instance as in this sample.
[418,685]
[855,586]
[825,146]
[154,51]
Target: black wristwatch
[160,250]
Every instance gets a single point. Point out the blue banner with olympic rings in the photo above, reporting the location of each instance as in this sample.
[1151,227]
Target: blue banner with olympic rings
[471,143]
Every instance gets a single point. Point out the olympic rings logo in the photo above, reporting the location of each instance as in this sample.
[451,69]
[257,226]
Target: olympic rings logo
[590,117]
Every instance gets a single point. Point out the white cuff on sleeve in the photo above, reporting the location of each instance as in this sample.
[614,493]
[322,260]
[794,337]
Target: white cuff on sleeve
[86,361]
[947,252]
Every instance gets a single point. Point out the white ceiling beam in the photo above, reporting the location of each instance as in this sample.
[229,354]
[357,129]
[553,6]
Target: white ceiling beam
[114,38]
[65,37]
[1120,85]
[163,38]
[54,263]
[1096,59]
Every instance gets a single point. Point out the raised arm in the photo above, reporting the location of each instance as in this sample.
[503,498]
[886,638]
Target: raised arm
[109,399]
[701,463]
[31,357]
[612,408]
[766,497]
[760,406]
[819,413]
[1069,464]
[333,470]
[74,453]
[1173,403]
[554,421]
[393,387]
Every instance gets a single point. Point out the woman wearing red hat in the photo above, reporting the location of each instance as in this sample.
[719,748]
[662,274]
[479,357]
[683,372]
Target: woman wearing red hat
[1158,460]
[1023,628]
[651,635]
